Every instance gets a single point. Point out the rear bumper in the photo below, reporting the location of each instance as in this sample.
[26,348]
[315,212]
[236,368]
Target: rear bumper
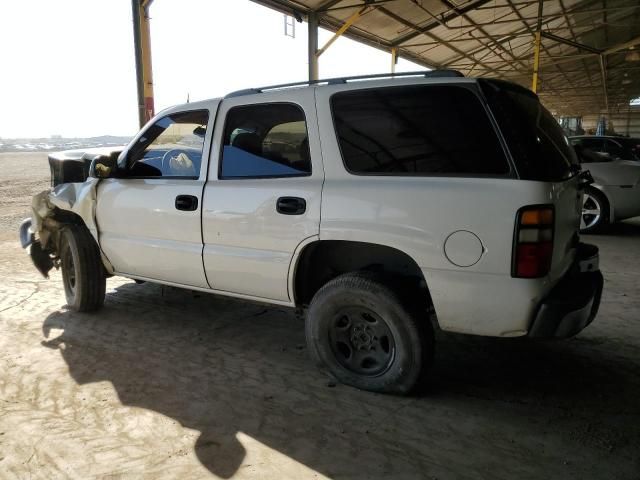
[573,303]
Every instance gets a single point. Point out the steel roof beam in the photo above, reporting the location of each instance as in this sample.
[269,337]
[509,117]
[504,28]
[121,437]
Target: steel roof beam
[434,37]
[571,43]
[284,6]
[576,12]
[324,6]
[482,30]
[554,58]
[527,27]
[431,25]
[623,46]
[537,36]
[370,3]
[585,64]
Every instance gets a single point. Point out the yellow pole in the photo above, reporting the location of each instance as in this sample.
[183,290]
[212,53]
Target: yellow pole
[536,62]
[536,51]
[350,21]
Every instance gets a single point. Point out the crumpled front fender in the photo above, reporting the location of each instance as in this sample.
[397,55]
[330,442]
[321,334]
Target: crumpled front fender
[78,198]
[26,233]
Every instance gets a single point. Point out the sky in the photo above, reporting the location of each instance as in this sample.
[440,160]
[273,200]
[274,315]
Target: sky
[67,66]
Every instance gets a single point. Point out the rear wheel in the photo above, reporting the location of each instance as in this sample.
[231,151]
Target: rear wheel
[83,274]
[595,210]
[365,336]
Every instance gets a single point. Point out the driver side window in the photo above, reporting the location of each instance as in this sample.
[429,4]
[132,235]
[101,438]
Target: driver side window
[171,147]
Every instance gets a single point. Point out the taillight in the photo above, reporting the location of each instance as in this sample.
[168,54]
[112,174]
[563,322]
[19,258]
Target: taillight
[533,246]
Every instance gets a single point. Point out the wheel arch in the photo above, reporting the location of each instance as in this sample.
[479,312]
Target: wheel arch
[55,223]
[320,261]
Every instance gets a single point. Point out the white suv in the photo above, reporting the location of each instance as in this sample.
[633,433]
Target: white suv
[382,206]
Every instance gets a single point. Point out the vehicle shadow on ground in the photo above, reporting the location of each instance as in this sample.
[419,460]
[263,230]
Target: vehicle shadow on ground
[222,366]
[628,228]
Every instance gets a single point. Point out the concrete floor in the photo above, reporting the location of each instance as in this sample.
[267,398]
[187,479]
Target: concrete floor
[164,383]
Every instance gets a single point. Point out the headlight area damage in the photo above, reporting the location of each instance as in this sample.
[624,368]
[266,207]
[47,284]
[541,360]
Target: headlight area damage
[52,210]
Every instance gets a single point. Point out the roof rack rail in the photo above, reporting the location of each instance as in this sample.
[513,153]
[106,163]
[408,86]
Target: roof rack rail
[342,80]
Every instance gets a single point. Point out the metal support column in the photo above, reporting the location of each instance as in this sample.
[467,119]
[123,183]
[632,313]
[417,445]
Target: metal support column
[536,51]
[603,73]
[144,71]
[312,52]
[394,59]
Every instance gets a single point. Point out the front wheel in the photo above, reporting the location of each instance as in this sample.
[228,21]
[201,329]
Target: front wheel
[365,336]
[83,274]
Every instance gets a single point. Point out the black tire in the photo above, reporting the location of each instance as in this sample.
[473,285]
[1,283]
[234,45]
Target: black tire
[594,201]
[356,323]
[83,274]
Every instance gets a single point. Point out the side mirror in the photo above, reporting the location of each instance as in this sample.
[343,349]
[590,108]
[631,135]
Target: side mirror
[103,166]
[199,131]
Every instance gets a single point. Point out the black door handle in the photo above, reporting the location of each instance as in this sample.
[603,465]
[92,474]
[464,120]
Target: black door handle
[291,205]
[188,203]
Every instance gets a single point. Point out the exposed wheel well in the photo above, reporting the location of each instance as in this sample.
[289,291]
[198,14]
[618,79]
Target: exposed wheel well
[324,260]
[60,218]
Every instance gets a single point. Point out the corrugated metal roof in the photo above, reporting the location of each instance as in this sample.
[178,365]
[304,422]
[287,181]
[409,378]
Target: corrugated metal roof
[494,38]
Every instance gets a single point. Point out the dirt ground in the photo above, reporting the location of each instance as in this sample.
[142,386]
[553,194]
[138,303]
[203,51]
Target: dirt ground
[165,383]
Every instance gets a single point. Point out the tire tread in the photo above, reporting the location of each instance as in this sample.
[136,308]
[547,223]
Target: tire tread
[90,279]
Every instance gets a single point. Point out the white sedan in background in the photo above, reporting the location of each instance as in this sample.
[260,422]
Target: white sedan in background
[615,193]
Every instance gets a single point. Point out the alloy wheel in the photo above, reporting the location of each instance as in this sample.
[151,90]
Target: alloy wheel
[591,212]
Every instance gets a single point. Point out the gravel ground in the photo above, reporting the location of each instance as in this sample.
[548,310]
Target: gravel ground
[165,383]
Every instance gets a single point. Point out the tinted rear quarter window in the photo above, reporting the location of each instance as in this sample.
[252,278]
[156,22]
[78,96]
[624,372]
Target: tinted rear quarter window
[417,130]
[538,145]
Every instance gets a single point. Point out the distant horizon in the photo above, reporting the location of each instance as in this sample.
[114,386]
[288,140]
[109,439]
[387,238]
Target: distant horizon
[58,143]
[64,137]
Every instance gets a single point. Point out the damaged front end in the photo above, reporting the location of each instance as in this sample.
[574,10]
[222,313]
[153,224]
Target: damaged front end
[71,200]
[42,260]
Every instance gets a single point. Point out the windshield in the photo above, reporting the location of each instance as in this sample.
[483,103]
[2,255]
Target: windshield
[539,147]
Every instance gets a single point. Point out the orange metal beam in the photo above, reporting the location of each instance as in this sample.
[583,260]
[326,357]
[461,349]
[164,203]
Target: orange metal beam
[144,70]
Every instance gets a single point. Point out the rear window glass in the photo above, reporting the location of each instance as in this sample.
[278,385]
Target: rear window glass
[537,143]
[417,130]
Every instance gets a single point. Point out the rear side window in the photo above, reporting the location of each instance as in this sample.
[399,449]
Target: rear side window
[537,143]
[589,150]
[417,130]
[265,141]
